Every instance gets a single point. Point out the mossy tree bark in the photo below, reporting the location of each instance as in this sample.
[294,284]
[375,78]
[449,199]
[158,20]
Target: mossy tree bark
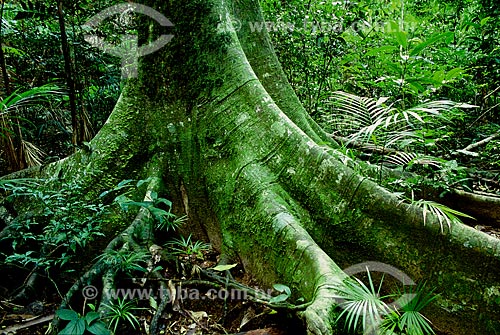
[212,117]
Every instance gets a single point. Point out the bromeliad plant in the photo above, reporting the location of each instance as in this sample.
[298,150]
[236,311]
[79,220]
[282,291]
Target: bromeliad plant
[121,310]
[185,246]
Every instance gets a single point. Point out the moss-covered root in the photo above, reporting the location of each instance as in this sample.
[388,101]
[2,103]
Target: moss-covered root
[263,228]
[312,267]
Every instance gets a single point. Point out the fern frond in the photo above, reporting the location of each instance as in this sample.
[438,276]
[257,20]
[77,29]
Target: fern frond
[406,159]
[363,119]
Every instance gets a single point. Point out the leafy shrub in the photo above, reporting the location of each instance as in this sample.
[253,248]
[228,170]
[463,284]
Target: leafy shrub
[58,224]
[78,324]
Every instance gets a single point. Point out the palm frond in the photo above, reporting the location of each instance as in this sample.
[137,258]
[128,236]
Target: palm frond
[436,107]
[409,318]
[86,127]
[34,95]
[444,214]
[358,118]
[361,304]
[18,152]
[32,154]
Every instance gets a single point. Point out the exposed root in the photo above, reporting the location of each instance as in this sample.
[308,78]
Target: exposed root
[251,294]
[487,208]
[164,300]
[273,225]
[28,288]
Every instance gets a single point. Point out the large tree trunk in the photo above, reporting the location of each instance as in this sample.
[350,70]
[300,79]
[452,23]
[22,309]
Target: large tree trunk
[213,117]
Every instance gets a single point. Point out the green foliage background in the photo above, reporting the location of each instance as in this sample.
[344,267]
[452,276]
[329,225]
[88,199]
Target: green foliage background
[408,51]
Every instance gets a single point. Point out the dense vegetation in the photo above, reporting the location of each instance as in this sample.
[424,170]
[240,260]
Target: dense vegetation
[52,81]
[410,85]
[403,55]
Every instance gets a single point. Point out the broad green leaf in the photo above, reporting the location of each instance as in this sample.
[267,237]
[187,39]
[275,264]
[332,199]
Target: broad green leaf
[153,303]
[438,76]
[394,67]
[142,181]
[484,21]
[124,182]
[393,27]
[154,195]
[453,73]
[158,212]
[279,298]
[165,201]
[379,50]
[416,86]
[91,317]
[282,288]
[442,37]
[75,327]
[402,38]
[98,328]
[67,314]
[123,201]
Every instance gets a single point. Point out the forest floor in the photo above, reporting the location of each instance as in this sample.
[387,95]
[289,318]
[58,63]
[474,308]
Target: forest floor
[197,309]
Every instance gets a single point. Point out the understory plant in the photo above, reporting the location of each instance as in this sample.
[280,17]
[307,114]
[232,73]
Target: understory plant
[364,307]
[125,261]
[79,324]
[186,246]
[444,214]
[18,151]
[408,319]
[158,207]
[365,120]
[59,223]
[121,311]
[396,135]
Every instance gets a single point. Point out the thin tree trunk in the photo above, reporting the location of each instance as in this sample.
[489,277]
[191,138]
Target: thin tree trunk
[75,120]
[5,75]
